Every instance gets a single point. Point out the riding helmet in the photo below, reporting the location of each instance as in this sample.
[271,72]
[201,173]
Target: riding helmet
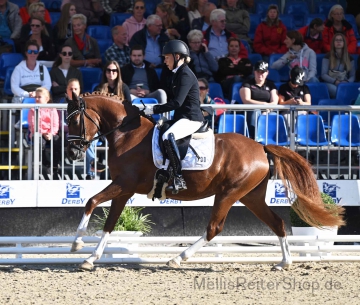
[176,47]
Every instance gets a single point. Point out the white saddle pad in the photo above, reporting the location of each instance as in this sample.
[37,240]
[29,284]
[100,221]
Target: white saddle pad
[204,147]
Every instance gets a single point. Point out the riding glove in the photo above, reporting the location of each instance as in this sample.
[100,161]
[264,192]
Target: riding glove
[148,110]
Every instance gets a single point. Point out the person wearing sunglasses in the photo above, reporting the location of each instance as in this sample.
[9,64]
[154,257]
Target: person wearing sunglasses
[137,21]
[29,74]
[63,28]
[28,11]
[62,72]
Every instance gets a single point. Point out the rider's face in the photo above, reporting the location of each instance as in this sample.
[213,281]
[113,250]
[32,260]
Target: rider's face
[169,60]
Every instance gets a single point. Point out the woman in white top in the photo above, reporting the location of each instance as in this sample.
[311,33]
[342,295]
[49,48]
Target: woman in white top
[196,9]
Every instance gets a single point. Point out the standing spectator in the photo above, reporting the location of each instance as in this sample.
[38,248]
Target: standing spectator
[216,36]
[237,20]
[152,38]
[140,78]
[86,52]
[10,20]
[202,62]
[28,75]
[91,9]
[137,21]
[202,23]
[196,9]
[258,91]
[313,35]
[63,28]
[337,65]
[233,68]
[62,72]
[118,51]
[336,23]
[112,83]
[48,123]
[270,35]
[26,14]
[299,54]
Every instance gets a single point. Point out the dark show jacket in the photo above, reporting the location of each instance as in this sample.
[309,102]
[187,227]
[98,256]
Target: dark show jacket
[185,102]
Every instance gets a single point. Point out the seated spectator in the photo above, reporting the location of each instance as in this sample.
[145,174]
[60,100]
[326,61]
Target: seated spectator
[233,69]
[92,10]
[63,28]
[112,83]
[113,6]
[152,38]
[258,91]
[237,20]
[202,62]
[247,5]
[270,35]
[299,54]
[202,23]
[180,11]
[313,36]
[26,13]
[118,51]
[337,65]
[86,52]
[74,86]
[11,24]
[205,99]
[294,92]
[196,9]
[62,72]
[140,78]
[216,36]
[336,23]
[174,29]
[48,123]
[29,75]
[41,36]
[137,21]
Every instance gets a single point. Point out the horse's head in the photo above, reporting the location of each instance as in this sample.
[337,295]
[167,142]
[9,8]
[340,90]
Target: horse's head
[82,127]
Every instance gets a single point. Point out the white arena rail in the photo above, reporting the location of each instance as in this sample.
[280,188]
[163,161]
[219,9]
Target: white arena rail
[126,250]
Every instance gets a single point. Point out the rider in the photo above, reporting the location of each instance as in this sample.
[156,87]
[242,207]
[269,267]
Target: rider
[188,116]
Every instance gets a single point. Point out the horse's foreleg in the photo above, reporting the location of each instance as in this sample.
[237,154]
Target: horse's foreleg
[286,261]
[81,230]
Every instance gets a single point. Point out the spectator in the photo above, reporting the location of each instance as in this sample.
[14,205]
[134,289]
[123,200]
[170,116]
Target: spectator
[216,36]
[140,78]
[237,20]
[48,123]
[86,52]
[11,21]
[202,62]
[137,21]
[270,35]
[28,75]
[258,91]
[92,10]
[118,51]
[205,99]
[152,38]
[336,23]
[41,36]
[337,66]
[299,54]
[203,22]
[62,72]
[26,13]
[294,92]
[63,28]
[196,9]
[313,35]
[112,83]
[180,11]
[74,86]
[111,6]
[233,69]
[247,5]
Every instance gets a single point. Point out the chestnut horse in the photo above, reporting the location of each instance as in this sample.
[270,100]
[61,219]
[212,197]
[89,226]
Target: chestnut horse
[240,171]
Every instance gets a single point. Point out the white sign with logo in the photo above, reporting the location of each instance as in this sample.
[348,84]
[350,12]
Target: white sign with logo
[17,194]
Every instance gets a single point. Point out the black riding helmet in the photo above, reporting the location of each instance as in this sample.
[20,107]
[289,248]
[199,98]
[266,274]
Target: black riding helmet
[176,47]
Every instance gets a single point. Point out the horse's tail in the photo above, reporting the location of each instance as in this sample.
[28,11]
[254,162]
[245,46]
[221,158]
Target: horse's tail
[309,206]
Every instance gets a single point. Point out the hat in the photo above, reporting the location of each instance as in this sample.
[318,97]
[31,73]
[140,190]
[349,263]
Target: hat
[261,66]
[297,76]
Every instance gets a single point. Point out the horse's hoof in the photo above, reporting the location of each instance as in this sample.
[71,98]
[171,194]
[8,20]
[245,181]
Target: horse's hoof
[86,266]
[173,263]
[282,266]
[76,246]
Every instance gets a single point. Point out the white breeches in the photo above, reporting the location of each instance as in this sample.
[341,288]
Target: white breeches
[182,128]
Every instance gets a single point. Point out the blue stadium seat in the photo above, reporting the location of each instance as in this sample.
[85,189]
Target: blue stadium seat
[348,92]
[90,76]
[345,130]
[118,18]
[322,7]
[255,20]
[318,91]
[310,130]
[104,44]
[10,41]
[278,84]
[310,17]
[284,71]
[9,60]
[55,16]
[158,72]
[319,59]
[235,95]
[298,10]
[328,115]
[94,86]
[288,21]
[25,112]
[254,58]
[271,129]
[99,31]
[215,90]
[247,46]
[7,83]
[274,75]
[229,122]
